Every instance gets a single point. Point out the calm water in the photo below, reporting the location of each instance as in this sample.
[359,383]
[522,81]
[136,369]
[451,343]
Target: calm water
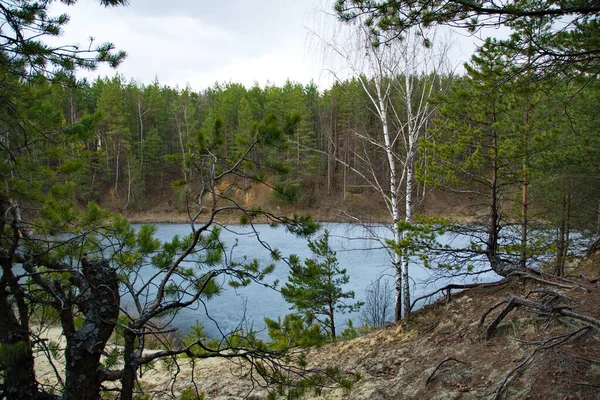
[364,260]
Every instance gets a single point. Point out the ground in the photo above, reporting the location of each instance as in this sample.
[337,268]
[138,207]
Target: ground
[362,206]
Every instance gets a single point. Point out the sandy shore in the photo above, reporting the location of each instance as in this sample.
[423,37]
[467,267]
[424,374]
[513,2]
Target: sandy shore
[217,378]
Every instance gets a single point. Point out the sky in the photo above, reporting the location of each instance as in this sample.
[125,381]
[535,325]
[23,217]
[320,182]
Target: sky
[200,42]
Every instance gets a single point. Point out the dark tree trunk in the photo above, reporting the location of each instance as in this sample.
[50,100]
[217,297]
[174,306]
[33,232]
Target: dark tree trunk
[129,367]
[562,246]
[499,266]
[99,302]
[332,316]
[17,358]
[493,227]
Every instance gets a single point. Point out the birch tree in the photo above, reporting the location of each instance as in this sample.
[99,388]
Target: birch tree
[399,77]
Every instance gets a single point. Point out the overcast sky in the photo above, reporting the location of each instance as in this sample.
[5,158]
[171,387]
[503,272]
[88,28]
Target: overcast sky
[200,42]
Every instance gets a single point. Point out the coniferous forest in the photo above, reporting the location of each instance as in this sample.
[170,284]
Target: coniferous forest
[129,146]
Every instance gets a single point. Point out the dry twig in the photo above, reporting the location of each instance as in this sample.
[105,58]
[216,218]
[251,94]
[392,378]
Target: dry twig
[445,360]
[515,301]
[455,286]
[529,275]
[548,343]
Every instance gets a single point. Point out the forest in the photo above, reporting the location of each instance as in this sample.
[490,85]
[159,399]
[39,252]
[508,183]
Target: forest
[515,137]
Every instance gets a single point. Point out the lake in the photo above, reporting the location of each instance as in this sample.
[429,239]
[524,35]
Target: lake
[365,261]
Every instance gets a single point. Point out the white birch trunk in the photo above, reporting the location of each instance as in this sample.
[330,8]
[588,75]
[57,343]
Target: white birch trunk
[403,111]
[394,203]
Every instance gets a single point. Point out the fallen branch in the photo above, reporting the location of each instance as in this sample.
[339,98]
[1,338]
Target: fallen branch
[590,360]
[549,343]
[528,275]
[515,302]
[445,360]
[455,286]
[552,294]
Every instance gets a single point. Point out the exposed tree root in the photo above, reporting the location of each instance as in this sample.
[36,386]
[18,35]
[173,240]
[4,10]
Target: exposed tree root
[454,286]
[550,296]
[588,280]
[546,303]
[445,360]
[564,283]
[546,344]
[513,302]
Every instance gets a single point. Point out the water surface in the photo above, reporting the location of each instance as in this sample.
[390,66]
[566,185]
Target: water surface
[365,261]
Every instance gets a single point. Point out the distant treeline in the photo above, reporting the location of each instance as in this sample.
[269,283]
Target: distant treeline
[129,142]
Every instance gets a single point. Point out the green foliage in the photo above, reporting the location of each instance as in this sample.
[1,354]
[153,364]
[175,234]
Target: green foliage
[315,288]
[287,191]
[11,353]
[197,334]
[351,332]
[302,225]
[538,41]
[112,358]
[191,394]
[294,331]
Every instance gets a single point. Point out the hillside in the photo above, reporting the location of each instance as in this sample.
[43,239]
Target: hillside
[363,206]
[441,351]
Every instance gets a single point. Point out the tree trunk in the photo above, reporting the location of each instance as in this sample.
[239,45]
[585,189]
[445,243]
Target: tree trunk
[499,266]
[493,227]
[332,316]
[17,355]
[410,172]
[399,267]
[117,167]
[598,222]
[129,367]
[17,358]
[524,194]
[99,301]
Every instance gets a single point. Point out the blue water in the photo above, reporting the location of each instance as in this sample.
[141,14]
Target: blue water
[365,261]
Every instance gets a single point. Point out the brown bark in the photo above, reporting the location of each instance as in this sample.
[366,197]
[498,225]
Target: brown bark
[129,367]
[17,355]
[99,302]
[17,358]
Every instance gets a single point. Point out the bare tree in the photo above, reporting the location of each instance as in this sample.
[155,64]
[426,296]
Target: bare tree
[379,303]
[399,78]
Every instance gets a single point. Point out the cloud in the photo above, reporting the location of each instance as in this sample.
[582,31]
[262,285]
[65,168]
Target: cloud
[199,42]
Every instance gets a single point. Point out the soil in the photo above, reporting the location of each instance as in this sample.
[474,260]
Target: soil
[361,206]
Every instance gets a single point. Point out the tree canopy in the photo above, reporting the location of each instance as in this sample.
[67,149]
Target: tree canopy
[548,36]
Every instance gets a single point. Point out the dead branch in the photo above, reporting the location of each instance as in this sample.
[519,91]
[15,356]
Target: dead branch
[547,344]
[445,360]
[544,309]
[528,275]
[455,286]
[595,385]
[590,360]
[552,295]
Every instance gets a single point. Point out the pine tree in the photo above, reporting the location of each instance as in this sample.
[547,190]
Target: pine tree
[315,288]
